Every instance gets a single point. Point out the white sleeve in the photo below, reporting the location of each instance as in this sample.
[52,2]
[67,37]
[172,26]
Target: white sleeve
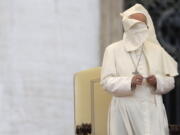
[164,84]
[110,81]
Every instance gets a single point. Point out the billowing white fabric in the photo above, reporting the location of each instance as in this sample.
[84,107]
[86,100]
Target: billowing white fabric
[137,111]
[151,43]
[138,8]
[136,35]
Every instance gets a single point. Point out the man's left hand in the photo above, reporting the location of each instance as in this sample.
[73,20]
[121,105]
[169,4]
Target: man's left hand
[152,80]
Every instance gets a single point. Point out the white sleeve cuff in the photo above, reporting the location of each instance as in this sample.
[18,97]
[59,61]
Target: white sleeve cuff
[164,84]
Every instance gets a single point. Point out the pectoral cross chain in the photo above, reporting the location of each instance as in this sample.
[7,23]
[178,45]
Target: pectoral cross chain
[136,65]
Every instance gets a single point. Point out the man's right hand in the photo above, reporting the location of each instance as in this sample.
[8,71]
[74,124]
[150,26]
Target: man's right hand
[136,80]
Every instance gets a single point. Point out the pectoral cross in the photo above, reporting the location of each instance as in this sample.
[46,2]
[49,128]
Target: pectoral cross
[135,72]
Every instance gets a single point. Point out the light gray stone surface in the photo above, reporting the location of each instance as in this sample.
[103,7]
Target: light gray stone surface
[42,44]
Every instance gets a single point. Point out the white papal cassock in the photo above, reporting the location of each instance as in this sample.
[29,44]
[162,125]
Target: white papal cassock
[137,113]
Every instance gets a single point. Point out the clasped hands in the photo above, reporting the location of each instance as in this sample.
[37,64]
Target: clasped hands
[138,79]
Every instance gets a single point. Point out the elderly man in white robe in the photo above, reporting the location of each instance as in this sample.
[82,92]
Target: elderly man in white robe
[137,71]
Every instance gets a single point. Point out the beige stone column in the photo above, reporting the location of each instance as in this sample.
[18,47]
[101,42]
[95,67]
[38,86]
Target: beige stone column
[111,26]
